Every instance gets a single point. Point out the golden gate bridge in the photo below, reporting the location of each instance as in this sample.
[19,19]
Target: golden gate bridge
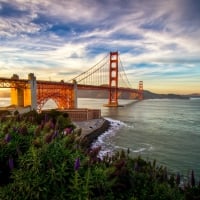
[108,75]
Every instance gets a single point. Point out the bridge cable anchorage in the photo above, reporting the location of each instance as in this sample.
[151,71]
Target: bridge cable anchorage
[123,70]
[75,78]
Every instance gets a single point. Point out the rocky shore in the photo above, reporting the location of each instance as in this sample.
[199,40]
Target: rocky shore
[91,130]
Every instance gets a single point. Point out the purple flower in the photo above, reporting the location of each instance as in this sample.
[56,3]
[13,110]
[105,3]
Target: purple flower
[52,125]
[192,179]
[11,163]
[178,179]
[7,138]
[46,118]
[18,151]
[77,164]
[15,129]
[67,131]
[55,134]
[136,166]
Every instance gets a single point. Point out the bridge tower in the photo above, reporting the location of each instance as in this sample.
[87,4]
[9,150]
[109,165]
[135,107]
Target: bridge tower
[113,80]
[140,90]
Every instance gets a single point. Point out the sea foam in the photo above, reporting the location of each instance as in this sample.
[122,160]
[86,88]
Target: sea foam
[106,147]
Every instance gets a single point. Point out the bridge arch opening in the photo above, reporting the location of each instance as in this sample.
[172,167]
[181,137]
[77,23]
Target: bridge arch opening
[50,104]
[4,97]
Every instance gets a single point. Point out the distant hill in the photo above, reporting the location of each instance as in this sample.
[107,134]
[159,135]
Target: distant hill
[125,95]
[150,95]
[194,95]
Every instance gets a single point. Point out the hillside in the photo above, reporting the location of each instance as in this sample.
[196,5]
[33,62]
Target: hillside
[125,95]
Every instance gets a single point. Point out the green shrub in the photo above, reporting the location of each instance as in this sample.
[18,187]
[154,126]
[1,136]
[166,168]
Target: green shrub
[37,161]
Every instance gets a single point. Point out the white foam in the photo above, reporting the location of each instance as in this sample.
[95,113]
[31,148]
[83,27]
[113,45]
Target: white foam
[139,150]
[130,126]
[149,147]
[107,148]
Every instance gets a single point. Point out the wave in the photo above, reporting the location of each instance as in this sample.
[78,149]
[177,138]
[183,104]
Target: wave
[142,147]
[194,98]
[108,147]
[103,140]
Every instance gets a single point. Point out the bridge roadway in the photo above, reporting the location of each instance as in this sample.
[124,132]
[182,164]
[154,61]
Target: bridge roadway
[12,83]
[36,93]
[23,83]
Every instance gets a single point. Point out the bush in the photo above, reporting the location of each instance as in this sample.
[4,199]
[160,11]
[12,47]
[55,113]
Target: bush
[39,161]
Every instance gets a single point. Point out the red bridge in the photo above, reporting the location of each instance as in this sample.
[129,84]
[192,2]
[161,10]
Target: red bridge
[108,75]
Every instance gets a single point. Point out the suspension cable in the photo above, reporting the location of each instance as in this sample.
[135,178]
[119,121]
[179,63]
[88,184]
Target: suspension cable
[91,72]
[128,82]
[88,69]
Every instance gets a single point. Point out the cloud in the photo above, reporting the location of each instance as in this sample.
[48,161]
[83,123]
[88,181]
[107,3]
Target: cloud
[155,38]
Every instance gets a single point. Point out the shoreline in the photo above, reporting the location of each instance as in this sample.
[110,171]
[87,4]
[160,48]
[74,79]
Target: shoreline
[91,130]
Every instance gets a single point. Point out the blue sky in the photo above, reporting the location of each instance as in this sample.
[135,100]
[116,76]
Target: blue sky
[158,40]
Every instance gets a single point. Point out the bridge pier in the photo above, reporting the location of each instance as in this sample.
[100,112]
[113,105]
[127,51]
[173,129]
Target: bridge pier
[31,92]
[16,98]
[25,95]
[75,94]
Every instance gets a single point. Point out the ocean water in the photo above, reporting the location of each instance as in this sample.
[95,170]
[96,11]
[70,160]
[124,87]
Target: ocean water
[163,129]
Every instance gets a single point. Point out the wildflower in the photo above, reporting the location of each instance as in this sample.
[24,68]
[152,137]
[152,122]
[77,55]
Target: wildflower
[136,166]
[178,178]
[192,179]
[15,129]
[23,130]
[11,163]
[42,124]
[165,176]
[37,131]
[52,124]
[77,164]
[46,117]
[18,151]
[48,138]
[55,134]
[7,138]
[30,118]
[67,131]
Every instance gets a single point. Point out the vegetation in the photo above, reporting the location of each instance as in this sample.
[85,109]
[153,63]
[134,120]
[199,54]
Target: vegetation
[41,158]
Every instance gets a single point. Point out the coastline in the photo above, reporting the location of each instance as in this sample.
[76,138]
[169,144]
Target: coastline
[91,130]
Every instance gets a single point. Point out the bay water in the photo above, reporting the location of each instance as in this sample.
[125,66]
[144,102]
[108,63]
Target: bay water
[167,130]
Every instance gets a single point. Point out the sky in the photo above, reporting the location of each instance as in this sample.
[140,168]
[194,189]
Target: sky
[158,40]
